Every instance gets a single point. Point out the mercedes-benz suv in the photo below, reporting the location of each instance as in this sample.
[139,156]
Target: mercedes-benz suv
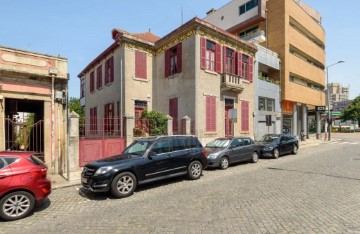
[146,160]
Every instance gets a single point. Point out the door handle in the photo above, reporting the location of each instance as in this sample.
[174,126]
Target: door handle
[2,176]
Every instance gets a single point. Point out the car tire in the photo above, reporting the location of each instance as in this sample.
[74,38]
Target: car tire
[255,157]
[224,163]
[276,153]
[195,170]
[16,205]
[295,149]
[123,185]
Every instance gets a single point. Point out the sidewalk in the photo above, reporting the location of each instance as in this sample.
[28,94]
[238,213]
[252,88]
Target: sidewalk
[311,141]
[59,181]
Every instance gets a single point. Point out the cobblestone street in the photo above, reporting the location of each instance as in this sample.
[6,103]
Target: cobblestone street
[315,191]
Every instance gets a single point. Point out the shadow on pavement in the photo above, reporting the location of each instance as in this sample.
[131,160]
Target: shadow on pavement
[99,196]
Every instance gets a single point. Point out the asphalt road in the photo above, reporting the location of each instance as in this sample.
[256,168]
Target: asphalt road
[315,191]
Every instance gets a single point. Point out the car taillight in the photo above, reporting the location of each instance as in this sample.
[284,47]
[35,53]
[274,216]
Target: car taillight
[204,153]
[40,172]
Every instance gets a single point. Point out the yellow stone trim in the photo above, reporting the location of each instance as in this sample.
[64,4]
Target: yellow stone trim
[137,47]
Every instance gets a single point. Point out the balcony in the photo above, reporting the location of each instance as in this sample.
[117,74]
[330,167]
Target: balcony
[231,82]
[258,36]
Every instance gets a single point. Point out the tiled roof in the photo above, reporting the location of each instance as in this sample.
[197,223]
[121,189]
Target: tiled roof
[146,36]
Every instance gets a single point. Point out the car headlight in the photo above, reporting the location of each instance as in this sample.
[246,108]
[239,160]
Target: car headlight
[268,148]
[212,156]
[103,170]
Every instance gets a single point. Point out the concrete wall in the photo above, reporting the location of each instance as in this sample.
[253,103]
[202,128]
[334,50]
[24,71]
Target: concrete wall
[180,85]
[281,36]
[229,15]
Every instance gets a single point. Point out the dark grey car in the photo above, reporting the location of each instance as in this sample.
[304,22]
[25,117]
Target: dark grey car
[224,151]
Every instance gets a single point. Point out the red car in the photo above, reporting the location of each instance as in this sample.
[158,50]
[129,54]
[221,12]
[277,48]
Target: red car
[23,182]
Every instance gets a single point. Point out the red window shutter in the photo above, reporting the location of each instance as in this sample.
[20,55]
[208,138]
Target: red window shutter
[106,72]
[210,113]
[239,63]
[92,81]
[203,53]
[91,119]
[137,64]
[218,58]
[106,112]
[234,62]
[224,58]
[244,116]
[112,116]
[213,113]
[179,57]
[144,65]
[251,64]
[173,112]
[167,63]
[112,69]
[95,118]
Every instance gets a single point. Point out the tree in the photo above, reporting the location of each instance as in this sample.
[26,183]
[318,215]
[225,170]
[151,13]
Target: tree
[75,105]
[352,111]
[155,122]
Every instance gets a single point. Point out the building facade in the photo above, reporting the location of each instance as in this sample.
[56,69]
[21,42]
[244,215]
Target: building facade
[338,93]
[33,89]
[267,108]
[197,71]
[293,30]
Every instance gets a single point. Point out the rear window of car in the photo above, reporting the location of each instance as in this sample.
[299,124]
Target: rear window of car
[35,160]
[6,161]
[192,142]
[2,163]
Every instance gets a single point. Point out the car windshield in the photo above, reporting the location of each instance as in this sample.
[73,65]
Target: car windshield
[138,148]
[269,138]
[218,143]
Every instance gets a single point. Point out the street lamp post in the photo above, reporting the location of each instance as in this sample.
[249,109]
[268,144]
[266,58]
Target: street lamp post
[328,97]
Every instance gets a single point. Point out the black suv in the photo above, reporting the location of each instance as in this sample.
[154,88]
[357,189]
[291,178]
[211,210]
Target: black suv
[146,160]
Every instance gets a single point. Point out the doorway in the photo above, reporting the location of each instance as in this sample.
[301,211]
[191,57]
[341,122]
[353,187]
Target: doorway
[24,125]
[229,104]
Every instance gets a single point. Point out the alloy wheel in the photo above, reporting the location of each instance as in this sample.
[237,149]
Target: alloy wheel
[16,205]
[125,184]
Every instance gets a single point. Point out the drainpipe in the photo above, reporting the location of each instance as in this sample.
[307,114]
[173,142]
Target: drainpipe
[52,72]
[121,98]
[67,131]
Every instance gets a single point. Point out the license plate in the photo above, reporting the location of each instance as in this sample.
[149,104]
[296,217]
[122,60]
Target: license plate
[84,180]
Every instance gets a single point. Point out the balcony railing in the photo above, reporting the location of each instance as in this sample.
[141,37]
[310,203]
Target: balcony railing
[231,82]
[258,35]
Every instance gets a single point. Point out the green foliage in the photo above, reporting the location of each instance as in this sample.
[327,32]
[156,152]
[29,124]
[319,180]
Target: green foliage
[352,112]
[155,121]
[75,105]
[28,125]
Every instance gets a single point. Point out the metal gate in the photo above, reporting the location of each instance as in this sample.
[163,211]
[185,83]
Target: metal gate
[25,135]
[98,142]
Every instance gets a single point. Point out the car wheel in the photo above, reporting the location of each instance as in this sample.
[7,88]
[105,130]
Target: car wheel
[255,157]
[16,205]
[295,149]
[195,170]
[276,153]
[123,185]
[224,163]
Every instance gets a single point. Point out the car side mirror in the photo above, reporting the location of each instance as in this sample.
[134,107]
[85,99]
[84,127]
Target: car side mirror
[152,154]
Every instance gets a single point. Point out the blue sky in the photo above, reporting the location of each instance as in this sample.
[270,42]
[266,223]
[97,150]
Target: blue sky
[81,29]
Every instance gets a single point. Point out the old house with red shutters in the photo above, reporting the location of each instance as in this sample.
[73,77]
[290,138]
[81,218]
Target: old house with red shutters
[198,72]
